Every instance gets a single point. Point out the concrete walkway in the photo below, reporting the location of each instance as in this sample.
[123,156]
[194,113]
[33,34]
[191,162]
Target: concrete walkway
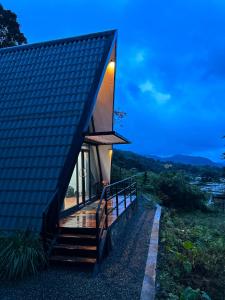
[148,287]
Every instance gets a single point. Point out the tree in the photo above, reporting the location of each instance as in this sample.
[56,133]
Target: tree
[145,177]
[119,116]
[174,191]
[10,34]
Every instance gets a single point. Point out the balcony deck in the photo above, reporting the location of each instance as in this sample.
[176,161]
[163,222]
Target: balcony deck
[86,217]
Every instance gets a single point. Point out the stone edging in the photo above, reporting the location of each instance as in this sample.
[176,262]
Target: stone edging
[148,286]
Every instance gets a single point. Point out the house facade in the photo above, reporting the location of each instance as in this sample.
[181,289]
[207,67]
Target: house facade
[56,129]
[56,141]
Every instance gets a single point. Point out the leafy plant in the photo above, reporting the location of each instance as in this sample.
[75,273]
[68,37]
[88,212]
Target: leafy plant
[190,294]
[21,254]
[70,192]
[192,251]
[149,201]
[175,192]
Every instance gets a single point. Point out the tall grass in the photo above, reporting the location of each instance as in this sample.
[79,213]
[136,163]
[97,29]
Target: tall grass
[21,254]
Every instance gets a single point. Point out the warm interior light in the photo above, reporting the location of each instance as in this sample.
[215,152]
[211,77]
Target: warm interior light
[111,65]
[110,153]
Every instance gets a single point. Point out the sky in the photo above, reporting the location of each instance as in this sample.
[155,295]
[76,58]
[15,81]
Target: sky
[170,65]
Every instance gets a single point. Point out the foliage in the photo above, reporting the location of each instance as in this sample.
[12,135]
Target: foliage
[176,192]
[10,34]
[211,174]
[149,201]
[192,251]
[128,160]
[119,173]
[21,254]
[70,192]
[149,182]
[190,294]
[173,190]
[119,116]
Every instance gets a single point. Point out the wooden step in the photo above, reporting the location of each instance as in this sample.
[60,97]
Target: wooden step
[75,250]
[77,239]
[78,230]
[72,260]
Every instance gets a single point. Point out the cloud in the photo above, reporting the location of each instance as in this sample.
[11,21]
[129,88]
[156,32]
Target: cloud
[140,56]
[148,87]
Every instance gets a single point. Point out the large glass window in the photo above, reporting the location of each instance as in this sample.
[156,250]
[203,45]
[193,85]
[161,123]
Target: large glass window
[85,180]
[95,172]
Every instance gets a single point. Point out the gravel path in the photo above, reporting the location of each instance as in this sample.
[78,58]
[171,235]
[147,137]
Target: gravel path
[120,277]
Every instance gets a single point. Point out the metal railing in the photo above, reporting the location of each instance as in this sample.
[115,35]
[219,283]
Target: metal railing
[114,200]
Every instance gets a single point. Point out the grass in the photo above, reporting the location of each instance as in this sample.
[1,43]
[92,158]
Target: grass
[192,255]
[21,254]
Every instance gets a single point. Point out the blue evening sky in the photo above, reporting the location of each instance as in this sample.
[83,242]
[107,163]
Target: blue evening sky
[170,71]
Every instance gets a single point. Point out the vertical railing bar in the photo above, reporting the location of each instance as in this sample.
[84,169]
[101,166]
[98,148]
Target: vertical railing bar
[125,201]
[106,209]
[131,190]
[97,235]
[117,201]
[118,188]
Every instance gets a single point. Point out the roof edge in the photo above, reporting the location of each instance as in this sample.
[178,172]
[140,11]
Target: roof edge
[58,41]
[78,137]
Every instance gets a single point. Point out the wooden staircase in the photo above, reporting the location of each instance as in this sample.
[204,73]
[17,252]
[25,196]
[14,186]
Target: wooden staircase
[75,246]
[84,238]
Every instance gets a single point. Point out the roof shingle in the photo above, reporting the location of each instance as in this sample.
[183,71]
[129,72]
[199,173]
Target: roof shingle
[43,91]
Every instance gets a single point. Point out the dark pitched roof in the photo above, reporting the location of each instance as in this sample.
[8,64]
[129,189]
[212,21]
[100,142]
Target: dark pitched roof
[47,93]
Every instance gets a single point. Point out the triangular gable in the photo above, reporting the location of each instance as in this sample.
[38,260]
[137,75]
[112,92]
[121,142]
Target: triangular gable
[47,95]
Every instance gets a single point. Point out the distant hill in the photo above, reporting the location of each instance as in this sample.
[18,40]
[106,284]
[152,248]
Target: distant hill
[188,160]
[133,162]
[130,160]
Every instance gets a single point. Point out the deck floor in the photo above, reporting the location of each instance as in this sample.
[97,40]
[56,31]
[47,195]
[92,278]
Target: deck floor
[85,217]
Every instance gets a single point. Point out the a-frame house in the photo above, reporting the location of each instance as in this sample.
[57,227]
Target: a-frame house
[56,132]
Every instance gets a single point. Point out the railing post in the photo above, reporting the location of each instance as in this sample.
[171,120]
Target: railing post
[117,202]
[125,200]
[106,208]
[130,190]
[97,235]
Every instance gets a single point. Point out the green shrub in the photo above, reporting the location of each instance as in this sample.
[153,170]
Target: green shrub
[148,182]
[190,294]
[192,251]
[149,201]
[175,192]
[172,190]
[21,254]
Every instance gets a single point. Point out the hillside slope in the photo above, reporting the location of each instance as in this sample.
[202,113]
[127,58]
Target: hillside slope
[188,160]
[138,163]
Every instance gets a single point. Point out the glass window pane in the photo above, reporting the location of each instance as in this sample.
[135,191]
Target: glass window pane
[85,180]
